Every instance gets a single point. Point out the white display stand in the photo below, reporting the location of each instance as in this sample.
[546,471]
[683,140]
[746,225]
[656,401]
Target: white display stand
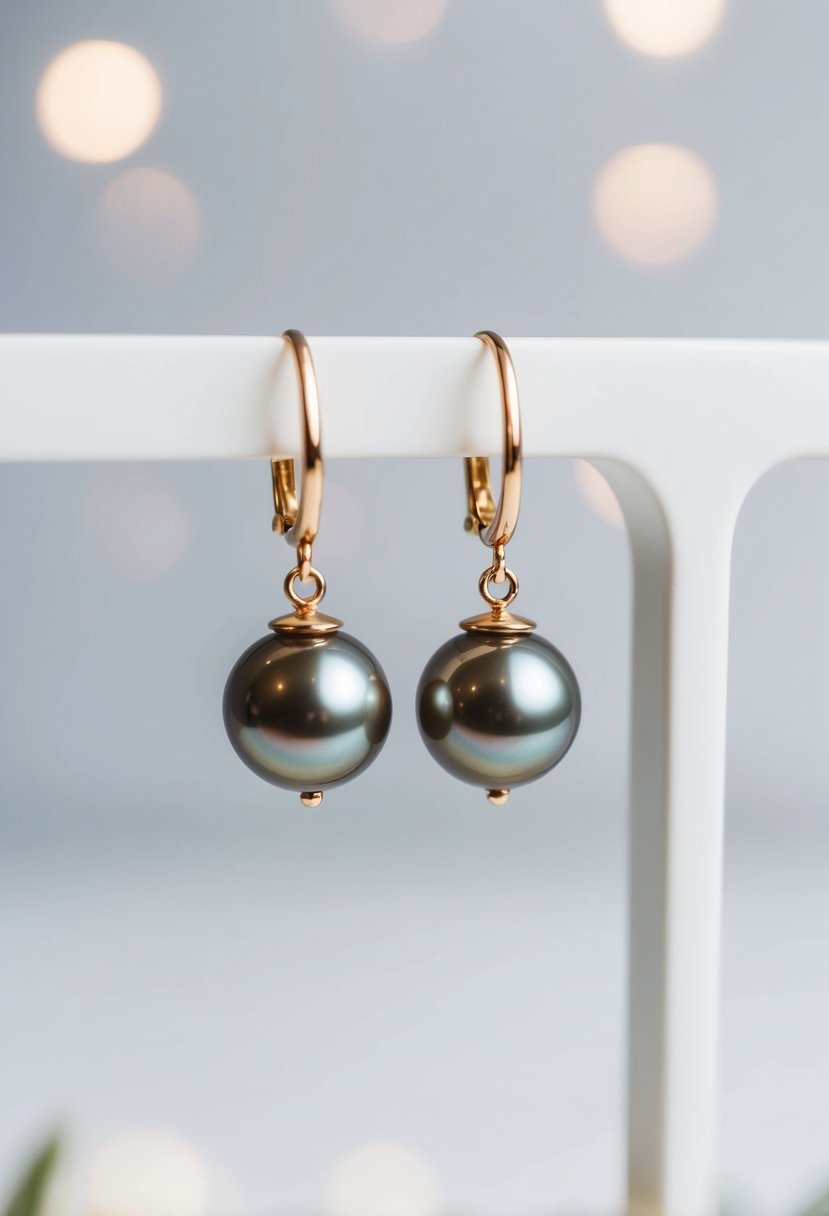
[681,429]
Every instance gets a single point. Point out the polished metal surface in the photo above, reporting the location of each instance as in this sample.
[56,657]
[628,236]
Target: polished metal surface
[498,711]
[307,713]
[297,517]
[495,522]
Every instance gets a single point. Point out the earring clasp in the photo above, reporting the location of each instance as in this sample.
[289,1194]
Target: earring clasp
[297,516]
[495,522]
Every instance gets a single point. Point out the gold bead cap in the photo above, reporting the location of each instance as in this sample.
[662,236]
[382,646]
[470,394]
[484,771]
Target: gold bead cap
[502,624]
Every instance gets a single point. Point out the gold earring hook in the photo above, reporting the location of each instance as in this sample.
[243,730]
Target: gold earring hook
[495,522]
[297,518]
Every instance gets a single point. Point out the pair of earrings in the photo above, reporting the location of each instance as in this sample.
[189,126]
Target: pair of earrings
[308,707]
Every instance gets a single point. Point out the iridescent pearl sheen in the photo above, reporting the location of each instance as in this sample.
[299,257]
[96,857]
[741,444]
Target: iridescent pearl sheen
[307,713]
[498,711]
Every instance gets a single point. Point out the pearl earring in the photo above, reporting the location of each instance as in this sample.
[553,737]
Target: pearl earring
[498,706]
[306,708]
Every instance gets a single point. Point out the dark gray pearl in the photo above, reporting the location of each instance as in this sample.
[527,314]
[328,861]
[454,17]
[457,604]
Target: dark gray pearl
[498,711]
[307,713]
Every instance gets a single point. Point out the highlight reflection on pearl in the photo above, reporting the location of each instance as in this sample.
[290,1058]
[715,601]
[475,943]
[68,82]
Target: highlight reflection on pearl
[148,225]
[665,28]
[98,101]
[341,684]
[597,493]
[498,712]
[307,713]
[655,203]
[390,22]
[384,1180]
[138,526]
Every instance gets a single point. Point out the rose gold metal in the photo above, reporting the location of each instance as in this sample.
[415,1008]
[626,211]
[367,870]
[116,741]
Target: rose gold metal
[304,603]
[498,603]
[499,619]
[303,553]
[495,522]
[311,798]
[297,517]
[497,797]
[305,620]
[305,624]
[505,625]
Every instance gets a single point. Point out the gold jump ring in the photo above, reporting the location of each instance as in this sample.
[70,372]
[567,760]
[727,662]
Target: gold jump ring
[303,603]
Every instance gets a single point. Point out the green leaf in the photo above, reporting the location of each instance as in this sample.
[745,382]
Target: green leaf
[30,1193]
[820,1208]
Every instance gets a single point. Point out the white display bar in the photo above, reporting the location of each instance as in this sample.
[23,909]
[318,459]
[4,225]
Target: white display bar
[682,429]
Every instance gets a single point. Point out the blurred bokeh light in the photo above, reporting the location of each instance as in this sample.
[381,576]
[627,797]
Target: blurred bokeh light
[98,101]
[390,22]
[655,203]
[597,493]
[148,225]
[665,28]
[343,523]
[384,1180]
[148,1173]
[138,527]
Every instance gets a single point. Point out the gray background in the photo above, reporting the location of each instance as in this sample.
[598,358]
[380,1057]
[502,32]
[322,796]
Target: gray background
[181,947]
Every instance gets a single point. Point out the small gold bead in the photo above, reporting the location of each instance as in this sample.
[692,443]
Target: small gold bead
[497,797]
[311,797]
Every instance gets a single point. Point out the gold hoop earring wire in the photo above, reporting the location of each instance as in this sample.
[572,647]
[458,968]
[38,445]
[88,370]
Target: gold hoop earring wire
[495,523]
[297,515]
